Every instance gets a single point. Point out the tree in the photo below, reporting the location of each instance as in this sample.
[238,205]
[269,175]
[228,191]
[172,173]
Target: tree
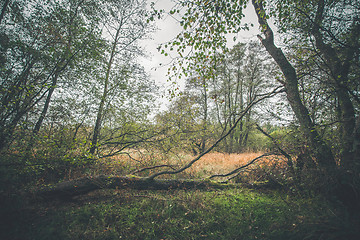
[321,150]
[333,29]
[198,89]
[210,21]
[41,42]
[240,75]
[4,8]
[183,123]
[126,27]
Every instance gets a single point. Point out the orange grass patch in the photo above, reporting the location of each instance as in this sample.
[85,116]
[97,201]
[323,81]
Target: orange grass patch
[211,163]
[221,163]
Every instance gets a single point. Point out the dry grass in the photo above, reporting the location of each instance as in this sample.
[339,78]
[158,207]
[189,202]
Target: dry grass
[221,163]
[211,163]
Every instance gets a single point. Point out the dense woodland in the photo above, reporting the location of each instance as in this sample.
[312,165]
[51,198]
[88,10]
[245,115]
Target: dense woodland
[76,102]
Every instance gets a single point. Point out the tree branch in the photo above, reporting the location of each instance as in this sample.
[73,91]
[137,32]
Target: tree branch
[274,142]
[285,154]
[244,166]
[263,96]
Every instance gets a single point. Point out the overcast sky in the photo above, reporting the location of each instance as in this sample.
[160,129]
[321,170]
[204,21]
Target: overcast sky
[167,29]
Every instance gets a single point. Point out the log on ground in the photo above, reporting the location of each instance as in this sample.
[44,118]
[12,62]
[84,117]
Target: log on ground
[85,185]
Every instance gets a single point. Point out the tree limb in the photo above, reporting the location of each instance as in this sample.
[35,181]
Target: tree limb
[285,154]
[244,166]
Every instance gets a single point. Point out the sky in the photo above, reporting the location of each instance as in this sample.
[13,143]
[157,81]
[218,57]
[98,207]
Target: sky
[167,29]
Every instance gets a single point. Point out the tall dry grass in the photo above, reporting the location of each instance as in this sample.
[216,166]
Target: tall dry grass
[222,163]
[210,164]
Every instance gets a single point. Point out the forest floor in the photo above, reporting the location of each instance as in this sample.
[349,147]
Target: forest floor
[233,213]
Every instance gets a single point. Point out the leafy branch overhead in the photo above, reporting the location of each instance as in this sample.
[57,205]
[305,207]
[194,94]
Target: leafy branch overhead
[205,26]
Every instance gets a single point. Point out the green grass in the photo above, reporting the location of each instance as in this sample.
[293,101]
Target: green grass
[193,214]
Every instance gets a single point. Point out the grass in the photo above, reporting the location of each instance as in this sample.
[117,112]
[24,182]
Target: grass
[192,214]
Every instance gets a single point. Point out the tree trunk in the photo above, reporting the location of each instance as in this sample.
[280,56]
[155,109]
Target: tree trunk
[46,105]
[356,144]
[100,112]
[21,105]
[339,72]
[3,10]
[321,150]
[42,117]
[7,132]
[205,117]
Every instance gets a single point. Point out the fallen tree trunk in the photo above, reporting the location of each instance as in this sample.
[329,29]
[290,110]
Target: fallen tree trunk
[85,185]
[80,186]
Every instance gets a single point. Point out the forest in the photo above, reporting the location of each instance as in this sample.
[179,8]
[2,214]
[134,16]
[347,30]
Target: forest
[262,142]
